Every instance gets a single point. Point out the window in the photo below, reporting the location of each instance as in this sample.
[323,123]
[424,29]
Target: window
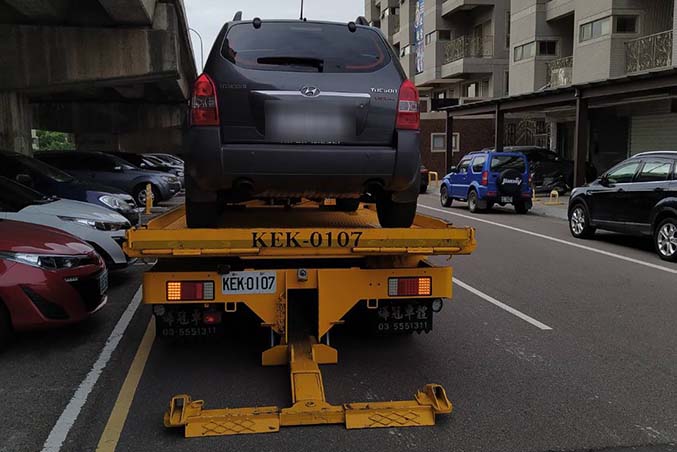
[305,47]
[548,48]
[394,11]
[476,89]
[478,164]
[506,83]
[455,142]
[623,174]
[471,90]
[430,37]
[438,142]
[654,171]
[507,29]
[444,35]
[463,166]
[503,162]
[626,24]
[404,51]
[525,51]
[595,29]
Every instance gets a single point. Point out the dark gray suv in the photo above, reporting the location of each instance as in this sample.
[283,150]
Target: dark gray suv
[290,109]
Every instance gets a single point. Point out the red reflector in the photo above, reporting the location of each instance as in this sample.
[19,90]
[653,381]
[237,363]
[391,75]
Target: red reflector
[408,115]
[485,178]
[409,287]
[190,290]
[204,110]
[211,318]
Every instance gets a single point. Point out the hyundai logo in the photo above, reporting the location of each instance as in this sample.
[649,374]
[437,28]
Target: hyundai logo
[310,91]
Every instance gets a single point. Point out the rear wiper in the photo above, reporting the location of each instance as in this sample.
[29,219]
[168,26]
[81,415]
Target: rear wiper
[293,61]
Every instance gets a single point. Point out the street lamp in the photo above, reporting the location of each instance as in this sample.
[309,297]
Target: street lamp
[202,58]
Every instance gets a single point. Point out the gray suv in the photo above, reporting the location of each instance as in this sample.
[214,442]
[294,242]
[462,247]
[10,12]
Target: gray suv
[288,109]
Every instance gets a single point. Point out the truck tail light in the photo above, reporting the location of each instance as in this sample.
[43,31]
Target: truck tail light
[485,178]
[190,290]
[408,115]
[204,110]
[410,287]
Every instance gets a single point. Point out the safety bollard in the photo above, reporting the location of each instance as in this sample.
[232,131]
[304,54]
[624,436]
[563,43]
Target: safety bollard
[554,199]
[149,198]
[433,177]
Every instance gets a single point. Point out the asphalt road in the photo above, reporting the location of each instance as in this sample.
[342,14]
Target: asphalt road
[602,377]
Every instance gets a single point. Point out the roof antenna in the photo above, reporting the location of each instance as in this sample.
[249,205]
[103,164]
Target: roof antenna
[301,15]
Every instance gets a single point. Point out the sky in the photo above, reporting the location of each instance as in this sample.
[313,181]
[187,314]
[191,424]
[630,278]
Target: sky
[208,16]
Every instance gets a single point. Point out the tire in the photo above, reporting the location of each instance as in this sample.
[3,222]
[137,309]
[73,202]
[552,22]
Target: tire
[347,205]
[202,214]
[579,222]
[521,208]
[394,214]
[6,332]
[140,195]
[665,239]
[473,199]
[445,199]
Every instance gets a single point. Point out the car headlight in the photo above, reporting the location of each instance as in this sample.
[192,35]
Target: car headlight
[114,202]
[168,178]
[100,225]
[50,262]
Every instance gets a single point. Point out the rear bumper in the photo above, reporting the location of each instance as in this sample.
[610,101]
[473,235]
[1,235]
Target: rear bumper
[299,170]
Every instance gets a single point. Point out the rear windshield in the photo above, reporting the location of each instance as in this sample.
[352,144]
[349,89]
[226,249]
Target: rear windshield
[305,47]
[503,162]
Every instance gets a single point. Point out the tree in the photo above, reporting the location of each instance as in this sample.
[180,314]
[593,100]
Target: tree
[54,141]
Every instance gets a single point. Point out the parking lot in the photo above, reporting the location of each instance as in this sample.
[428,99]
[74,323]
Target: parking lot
[548,344]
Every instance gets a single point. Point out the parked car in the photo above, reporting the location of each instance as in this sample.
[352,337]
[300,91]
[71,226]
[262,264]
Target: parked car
[100,227]
[486,178]
[111,170]
[47,278]
[637,196]
[169,158]
[149,162]
[424,179]
[296,109]
[548,171]
[52,181]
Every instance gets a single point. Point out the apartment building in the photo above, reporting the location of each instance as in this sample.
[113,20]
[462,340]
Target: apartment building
[456,50]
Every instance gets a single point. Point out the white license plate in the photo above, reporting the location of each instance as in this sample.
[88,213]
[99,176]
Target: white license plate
[237,283]
[506,199]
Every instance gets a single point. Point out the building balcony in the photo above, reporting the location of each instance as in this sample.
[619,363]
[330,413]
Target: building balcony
[648,53]
[560,71]
[468,47]
[396,23]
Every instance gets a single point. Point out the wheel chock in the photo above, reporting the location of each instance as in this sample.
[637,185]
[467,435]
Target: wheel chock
[309,406]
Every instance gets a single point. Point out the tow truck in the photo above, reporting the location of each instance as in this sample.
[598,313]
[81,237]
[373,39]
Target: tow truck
[300,270]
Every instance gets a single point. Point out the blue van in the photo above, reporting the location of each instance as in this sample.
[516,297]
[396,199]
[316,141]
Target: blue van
[486,178]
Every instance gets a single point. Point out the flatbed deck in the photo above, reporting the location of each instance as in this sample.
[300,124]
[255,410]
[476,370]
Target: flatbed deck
[306,230]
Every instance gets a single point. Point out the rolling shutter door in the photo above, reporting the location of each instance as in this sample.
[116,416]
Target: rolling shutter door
[653,133]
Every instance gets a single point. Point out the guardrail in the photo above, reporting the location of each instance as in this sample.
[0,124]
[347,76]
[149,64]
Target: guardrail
[649,52]
[560,71]
[468,47]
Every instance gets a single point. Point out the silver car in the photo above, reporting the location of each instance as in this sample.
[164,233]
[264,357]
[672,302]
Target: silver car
[103,228]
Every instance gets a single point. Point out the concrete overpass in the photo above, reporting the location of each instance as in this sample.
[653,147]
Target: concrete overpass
[116,73]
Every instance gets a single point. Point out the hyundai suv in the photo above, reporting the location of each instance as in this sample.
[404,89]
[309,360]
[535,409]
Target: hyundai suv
[638,196]
[290,109]
[486,178]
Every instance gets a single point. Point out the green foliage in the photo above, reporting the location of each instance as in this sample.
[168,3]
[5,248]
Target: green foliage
[54,141]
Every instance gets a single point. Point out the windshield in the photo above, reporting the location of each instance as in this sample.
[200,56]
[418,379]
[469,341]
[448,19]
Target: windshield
[46,170]
[18,196]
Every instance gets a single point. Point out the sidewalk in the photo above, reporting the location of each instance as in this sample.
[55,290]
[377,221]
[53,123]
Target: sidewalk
[556,211]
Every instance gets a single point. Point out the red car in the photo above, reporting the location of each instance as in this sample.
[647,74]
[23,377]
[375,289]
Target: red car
[47,278]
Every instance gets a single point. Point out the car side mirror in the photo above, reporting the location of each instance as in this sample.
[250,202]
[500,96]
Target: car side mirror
[604,181]
[117,169]
[453,169]
[25,179]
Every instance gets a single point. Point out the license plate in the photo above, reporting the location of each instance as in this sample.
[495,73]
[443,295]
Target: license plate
[506,199]
[103,282]
[239,283]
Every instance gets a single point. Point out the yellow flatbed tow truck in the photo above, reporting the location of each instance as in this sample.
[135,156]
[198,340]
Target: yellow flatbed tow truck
[300,270]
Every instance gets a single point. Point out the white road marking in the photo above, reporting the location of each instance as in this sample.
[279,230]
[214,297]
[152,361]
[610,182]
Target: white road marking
[70,414]
[563,242]
[503,306]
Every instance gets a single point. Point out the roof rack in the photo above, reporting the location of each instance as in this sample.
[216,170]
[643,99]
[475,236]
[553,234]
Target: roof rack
[361,20]
[654,153]
[237,16]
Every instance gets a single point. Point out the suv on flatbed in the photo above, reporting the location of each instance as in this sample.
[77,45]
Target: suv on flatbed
[486,178]
[638,196]
[288,109]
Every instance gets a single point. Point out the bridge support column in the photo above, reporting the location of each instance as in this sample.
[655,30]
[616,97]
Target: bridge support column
[15,123]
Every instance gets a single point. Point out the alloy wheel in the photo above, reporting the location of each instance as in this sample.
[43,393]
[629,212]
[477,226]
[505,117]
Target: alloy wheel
[578,220]
[667,240]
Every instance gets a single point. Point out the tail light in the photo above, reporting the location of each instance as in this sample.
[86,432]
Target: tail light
[408,115]
[485,178]
[190,290]
[410,287]
[204,110]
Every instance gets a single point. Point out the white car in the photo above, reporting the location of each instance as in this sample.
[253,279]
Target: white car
[103,228]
